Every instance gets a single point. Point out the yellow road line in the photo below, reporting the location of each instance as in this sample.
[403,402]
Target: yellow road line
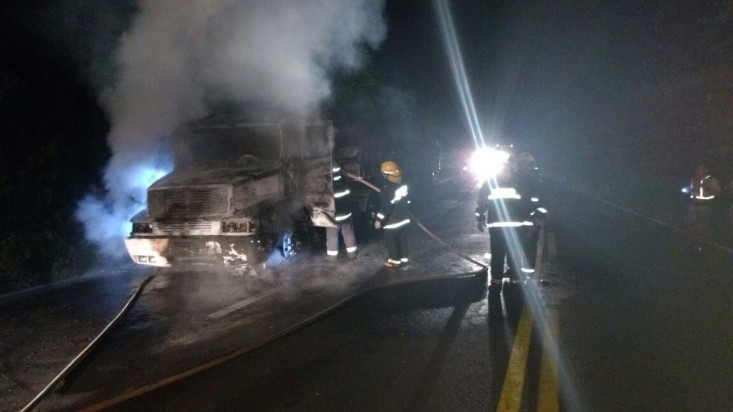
[547,396]
[511,392]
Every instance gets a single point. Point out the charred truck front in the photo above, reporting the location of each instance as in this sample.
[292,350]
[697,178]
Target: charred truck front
[235,194]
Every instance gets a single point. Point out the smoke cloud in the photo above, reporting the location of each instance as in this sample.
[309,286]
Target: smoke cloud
[178,59]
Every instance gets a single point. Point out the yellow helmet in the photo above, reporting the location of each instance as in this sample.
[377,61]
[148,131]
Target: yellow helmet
[390,168]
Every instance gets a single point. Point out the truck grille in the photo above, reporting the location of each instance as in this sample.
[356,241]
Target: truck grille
[189,228]
[188,202]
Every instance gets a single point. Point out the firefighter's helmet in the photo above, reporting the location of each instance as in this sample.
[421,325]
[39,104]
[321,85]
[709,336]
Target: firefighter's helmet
[390,168]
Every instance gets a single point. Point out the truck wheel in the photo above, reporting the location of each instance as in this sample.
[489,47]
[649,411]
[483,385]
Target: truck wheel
[287,247]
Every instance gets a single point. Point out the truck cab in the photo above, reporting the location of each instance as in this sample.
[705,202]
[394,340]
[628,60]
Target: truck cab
[236,193]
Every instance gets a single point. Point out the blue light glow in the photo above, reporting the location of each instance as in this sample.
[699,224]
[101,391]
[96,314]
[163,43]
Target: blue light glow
[106,218]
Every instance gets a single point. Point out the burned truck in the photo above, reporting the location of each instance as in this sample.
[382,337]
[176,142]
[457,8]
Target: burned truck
[239,191]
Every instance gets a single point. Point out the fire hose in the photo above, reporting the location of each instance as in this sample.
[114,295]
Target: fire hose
[74,362]
[253,345]
[422,227]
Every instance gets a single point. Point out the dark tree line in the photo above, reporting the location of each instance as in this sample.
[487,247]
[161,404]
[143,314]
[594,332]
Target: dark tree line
[53,150]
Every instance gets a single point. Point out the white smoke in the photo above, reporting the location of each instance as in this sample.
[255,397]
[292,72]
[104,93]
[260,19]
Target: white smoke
[179,57]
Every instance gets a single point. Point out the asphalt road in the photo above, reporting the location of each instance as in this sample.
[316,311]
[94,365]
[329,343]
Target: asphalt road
[639,324]
[648,327]
[625,315]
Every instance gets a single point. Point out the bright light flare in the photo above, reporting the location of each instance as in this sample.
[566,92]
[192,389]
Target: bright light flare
[488,162]
[455,58]
[486,166]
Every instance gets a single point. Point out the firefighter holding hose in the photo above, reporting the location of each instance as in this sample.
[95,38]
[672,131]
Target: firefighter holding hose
[509,203]
[341,219]
[394,215]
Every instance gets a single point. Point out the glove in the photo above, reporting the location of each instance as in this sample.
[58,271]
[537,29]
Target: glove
[480,218]
[377,224]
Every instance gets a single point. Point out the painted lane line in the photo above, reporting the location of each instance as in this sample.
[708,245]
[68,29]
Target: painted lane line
[511,392]
[239,305]
[547,396]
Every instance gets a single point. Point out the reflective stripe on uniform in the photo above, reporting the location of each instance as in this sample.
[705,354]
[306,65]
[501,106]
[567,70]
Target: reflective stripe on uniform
[332,252]
[380,216]
[701,195]
[343,217]
[398,224]
[399,194]
[341,194]
[511,224]
[541,210]
[504,193]
[351,249]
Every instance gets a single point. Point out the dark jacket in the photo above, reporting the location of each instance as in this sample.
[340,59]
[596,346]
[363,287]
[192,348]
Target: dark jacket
[510,200]
[341,195]
[394,211]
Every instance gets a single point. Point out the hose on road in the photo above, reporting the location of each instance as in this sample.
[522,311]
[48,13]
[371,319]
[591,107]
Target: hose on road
[89,347]
[422,227]
[479,275]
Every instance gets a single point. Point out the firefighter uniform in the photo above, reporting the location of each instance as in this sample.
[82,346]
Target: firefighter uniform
[394,215]
[510,204]
[703,190]
[342,218]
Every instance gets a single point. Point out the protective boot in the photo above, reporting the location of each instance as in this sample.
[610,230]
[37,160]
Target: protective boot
[495,286]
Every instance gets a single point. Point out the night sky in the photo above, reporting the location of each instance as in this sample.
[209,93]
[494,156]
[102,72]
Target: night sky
[639,88]
[581,82]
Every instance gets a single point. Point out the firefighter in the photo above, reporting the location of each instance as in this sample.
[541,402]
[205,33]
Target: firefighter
[509,201]
[341,218]
[394,215]
[703,190]
[528,183]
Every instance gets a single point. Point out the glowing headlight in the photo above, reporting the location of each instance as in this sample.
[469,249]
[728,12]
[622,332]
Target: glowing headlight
[488,162]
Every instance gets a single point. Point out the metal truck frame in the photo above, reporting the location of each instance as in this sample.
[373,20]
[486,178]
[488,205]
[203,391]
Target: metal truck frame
[238,191]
